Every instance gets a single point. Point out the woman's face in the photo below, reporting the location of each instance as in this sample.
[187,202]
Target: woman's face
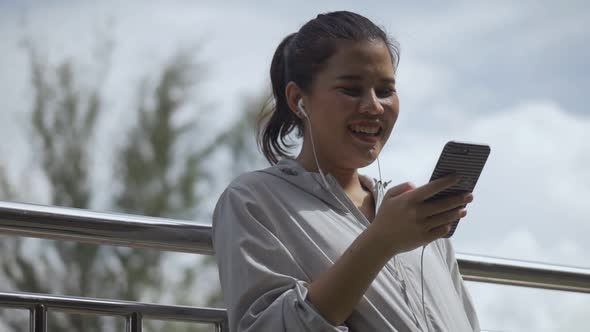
[353,104]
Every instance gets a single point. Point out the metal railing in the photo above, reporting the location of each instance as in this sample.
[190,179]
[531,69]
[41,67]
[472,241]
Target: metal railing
[133,312]
[172,235]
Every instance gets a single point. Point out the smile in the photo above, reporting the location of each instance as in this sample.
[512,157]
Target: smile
[366,134]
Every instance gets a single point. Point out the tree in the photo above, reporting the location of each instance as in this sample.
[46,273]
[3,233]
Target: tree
[63,120]
[157,176]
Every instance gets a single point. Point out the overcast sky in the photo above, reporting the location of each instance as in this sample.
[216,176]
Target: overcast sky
[513,75]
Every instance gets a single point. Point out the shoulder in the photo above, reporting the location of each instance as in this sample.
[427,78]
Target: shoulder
[253,182]
[254,186]
[245,207]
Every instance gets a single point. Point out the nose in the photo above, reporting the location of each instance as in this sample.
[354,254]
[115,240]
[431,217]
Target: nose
[370,103]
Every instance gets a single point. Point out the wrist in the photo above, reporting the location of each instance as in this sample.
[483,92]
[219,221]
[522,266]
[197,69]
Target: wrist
[380,243]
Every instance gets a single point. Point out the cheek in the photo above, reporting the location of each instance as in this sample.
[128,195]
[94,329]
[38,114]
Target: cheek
[391,115]
[335,111]
[341,104]
[393,109]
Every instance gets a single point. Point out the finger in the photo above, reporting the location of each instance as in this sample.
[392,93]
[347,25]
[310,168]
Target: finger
[430,189]
[444,218]
[399,189]
[439,232]
[444,204]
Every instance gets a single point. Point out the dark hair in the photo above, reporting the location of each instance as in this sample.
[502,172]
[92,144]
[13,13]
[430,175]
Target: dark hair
[298,58]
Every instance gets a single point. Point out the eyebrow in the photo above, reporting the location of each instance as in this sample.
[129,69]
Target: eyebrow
[359,78]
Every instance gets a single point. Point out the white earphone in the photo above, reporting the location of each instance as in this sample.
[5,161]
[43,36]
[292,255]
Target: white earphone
[301,108]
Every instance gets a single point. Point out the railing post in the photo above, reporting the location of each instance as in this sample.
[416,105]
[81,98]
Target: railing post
[223,326]
[38,318]
[134,322]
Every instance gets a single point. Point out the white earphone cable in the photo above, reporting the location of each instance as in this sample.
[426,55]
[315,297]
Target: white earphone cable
[347,209]
[422,291]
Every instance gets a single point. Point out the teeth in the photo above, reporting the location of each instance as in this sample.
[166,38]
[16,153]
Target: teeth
[365,130]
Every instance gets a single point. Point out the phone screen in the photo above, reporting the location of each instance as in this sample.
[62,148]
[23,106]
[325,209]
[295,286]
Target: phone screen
[464,159]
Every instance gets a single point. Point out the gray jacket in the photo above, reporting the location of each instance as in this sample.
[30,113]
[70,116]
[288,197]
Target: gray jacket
[275,230]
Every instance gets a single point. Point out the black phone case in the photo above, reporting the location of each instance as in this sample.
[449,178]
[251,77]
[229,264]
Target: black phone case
[465,159]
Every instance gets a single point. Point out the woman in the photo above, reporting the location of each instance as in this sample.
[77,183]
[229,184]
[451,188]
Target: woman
[309,244]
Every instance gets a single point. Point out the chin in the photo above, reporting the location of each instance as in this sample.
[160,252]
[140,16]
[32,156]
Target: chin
[361,161]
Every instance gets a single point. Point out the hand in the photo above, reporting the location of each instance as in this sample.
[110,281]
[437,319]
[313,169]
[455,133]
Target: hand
[405,221]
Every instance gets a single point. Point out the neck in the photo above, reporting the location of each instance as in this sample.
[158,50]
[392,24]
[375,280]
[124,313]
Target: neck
[348,178]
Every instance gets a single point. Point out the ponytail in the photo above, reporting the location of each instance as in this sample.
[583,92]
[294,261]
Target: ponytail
[276,122]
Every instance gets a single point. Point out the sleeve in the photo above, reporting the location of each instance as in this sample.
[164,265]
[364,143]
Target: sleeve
[448,254]
[263,286]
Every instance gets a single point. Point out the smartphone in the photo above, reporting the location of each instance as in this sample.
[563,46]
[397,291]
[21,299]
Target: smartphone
[464,159]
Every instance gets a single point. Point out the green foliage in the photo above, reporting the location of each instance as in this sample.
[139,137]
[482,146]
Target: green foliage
[7,191]
[156,182]
[241,138]
[157,176]
[64,127]
[63,121]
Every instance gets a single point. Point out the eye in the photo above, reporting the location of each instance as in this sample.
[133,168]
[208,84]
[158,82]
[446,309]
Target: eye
[351,91]
[386,92]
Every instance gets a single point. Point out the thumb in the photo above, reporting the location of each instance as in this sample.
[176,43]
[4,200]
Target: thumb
[399,189]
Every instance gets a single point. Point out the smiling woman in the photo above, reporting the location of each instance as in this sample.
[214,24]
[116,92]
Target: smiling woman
[309,244]
[356,95]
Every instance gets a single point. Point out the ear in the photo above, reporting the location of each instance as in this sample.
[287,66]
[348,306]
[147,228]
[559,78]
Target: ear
[293,94]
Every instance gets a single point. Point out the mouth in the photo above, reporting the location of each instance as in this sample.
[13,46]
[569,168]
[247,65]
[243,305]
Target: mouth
[366,133]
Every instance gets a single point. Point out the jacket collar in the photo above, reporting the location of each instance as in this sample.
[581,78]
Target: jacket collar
[291,171]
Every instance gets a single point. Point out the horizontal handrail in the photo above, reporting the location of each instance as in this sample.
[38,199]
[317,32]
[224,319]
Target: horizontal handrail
[86,305]
[127,309]
[59,223]
[524,273]
[182,236]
